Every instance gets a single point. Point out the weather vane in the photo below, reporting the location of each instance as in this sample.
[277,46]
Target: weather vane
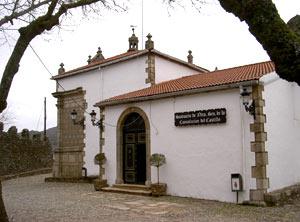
[133,27]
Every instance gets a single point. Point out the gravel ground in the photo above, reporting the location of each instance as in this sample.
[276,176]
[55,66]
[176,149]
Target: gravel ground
[31,199]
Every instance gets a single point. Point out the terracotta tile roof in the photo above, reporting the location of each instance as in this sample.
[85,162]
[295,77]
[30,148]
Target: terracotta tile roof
[202,80]
[97,63]
[123,57]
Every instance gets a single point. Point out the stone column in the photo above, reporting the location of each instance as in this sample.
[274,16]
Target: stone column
[258,147]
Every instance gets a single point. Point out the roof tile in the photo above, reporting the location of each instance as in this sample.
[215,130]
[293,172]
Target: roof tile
[202,80]
[99,62]
[123,57]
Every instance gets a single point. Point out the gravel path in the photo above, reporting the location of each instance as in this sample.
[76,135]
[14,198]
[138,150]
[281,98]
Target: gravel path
[31,199]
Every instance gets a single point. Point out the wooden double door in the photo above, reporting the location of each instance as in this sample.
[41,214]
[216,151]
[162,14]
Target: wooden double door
[134,150]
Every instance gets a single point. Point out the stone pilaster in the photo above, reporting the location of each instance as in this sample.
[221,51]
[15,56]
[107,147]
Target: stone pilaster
[68,158]
[259,171]
[150,69]
[102,141]
[99,183]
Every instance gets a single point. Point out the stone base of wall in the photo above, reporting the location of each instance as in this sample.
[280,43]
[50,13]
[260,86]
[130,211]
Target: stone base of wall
[26,174]
[67,164]
[282,196]
[255,203]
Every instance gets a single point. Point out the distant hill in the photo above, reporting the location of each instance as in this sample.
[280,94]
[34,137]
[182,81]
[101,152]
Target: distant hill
[51,134]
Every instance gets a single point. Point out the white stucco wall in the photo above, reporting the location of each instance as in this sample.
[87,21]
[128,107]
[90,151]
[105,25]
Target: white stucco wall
[167,70]
[283,128]
[101,84]
[110,81]
[200,159]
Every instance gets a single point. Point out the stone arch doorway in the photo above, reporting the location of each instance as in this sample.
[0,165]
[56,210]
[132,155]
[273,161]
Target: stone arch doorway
[133,147]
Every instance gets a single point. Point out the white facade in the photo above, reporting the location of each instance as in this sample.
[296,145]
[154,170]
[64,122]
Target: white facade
[199,162]
[167,70]
[200,159]
[113,80]
[283,126]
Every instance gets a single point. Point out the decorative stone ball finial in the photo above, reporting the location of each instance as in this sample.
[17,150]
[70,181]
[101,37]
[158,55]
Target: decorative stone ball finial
[149,44]
[61,70]
[99,51]
[99,55]
[190,57]
[89,59]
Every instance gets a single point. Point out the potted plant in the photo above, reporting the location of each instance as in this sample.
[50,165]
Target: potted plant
[99,183]
[100,159]
[157,160]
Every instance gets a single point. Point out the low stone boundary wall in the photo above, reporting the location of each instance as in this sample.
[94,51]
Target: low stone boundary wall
[282,196]
[89,179]
[25,174]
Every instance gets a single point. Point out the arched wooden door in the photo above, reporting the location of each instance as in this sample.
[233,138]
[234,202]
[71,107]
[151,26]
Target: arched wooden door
[134,149]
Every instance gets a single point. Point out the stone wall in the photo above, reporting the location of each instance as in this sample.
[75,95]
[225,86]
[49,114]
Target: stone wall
[21,152]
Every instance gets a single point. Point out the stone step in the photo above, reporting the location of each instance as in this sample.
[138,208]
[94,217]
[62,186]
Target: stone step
[127,191]
[131,186]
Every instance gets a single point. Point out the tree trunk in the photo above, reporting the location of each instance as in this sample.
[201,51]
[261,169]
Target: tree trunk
[281,43]
[26,35]
[3,215]
[158,175]
[11,69]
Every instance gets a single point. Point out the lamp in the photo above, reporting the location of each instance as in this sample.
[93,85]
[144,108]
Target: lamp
[73,115]
[250,108]
[93,119]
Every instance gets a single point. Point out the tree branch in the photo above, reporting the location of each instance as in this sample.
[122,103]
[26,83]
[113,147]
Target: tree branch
[27,34]
[281,43]
[15,15]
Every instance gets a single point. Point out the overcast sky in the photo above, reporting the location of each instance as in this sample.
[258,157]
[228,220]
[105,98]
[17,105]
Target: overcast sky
[217,39]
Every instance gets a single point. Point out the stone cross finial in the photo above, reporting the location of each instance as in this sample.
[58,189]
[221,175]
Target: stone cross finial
[61,70]
[89,59]
[190,57]
[149,44]
[216,69]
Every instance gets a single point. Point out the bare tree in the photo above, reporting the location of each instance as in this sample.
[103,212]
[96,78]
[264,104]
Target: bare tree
[31,18]
[6,117]
[19,10]
[281,40]
[36,17]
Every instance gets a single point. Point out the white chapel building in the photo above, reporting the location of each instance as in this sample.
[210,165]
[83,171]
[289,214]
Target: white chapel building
[216,129]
